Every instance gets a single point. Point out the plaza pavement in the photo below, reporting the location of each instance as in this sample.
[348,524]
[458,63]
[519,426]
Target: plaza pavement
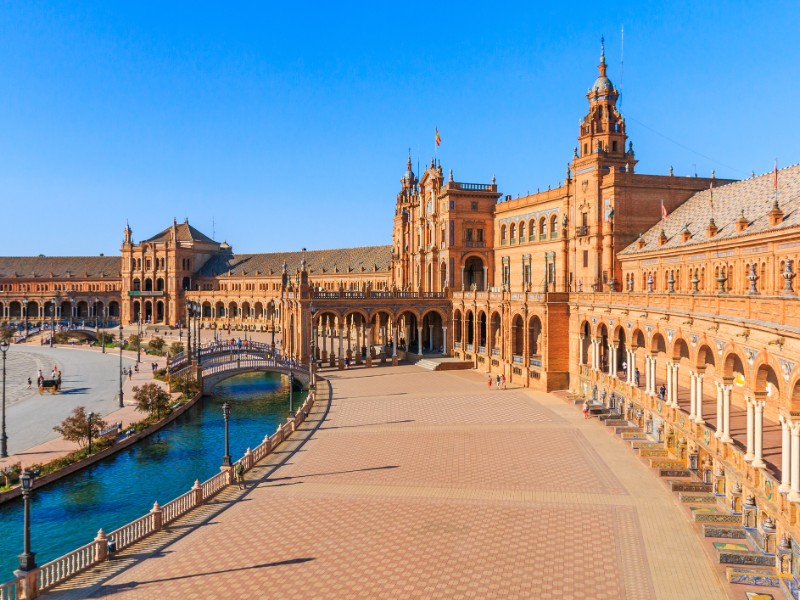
[419,484]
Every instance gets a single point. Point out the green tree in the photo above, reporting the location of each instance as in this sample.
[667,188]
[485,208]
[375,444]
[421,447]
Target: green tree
[156,345]
[175,348]
[133,342]
[6,333]
[76,427]
[151,398]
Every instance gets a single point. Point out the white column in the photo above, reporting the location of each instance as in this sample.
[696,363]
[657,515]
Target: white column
[669,384]
[650,369]
[368,343]
[444,339]
[698,399]
[758,452]
[692,395]
[631,367]
[394,340]
[419,340]
[794,493]
[612,360]
[751,438]
[341,342]
[675,384]
[726,413]
[786,455]
[718,433]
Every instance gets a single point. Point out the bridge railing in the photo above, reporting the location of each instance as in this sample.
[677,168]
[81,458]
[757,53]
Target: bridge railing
[219,349]
[254,363]
[61,569]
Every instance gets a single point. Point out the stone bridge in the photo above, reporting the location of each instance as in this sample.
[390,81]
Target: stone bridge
[212,374]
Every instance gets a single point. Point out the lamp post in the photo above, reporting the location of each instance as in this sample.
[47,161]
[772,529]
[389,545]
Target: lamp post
[139,345]
[26,559]
[3,437]
[189,332]
[52,322]
[121,404]
[226,414]
[313,362]
[291,394]
[89,418]
[103,334]
[272,316]
[25,310]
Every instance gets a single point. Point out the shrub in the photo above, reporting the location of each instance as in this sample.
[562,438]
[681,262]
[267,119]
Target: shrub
[175,348]
[152,399]
[75,428]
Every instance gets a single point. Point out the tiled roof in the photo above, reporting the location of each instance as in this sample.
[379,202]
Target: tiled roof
[320,262]
[754,196]
[186,233]
[60,266]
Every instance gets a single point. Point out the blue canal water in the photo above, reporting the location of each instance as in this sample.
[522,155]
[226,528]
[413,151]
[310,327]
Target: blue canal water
[67,514]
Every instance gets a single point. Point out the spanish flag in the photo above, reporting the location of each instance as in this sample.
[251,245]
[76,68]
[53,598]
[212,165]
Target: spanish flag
[438,139]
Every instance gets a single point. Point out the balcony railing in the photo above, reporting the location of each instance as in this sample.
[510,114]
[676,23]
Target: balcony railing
[142,293]
[457,345]
[470,347]
[536,361]
[517,359]
[482,349]
[582,230]
[475,244]
[495,351]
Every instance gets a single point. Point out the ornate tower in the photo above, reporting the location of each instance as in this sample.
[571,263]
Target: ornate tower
[402,232]
[602,134]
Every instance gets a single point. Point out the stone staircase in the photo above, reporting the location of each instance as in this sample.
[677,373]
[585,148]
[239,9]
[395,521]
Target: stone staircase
[442,364]
[740,550]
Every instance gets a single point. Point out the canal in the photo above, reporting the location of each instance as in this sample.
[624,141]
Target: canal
[67,513]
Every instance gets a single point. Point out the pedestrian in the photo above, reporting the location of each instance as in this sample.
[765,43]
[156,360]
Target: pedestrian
[625,368]
[489,382]
[503,380]
[30,383]
[497,381]
[130,374]
[636,376]
[662,392]
[585,409]
[239,471]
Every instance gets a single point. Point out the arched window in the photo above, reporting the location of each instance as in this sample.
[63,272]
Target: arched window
[554,226]
[532,230]
[503,234]
[513,233]
[522,231]
[542,228]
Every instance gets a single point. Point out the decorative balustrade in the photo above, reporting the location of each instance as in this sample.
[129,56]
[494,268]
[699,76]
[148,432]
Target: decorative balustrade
[457,345]
[536,361]
[470,347]
[482,349]
[517,359]
[132,532]
[59,570]
[495,351]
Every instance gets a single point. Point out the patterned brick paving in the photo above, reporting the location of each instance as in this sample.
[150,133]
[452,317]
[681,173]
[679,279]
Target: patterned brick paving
[416,487]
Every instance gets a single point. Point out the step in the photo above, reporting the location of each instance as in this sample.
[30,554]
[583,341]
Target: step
[667,463]
[765,577]
[653,453]
[627,429]
[633,435]
[746,557]
[648,445]
[617,422]
[675,473]
[702,514]
[723,531]
[690,486]
[695,498]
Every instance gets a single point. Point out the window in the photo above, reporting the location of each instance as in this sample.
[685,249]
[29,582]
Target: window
[585,258]
[452,204]
[474,205]
[479,233]
[585,149]
[513,232]
[584,219]
[542,228]
[503,235]
[469,234]
[522,231]
[613,146]
[554,226]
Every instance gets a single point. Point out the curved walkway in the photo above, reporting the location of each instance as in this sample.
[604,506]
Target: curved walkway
[426,484]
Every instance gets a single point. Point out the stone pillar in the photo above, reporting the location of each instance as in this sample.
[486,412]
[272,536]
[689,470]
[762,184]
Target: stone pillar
[341,347]
[786,455]
[485,285]
[692,394]
[669,384]
[726,413]
[419,341]
[648,385]
[675,385]
[794,493]
[369,347]
[751,422]
[720,410]
[612,360]
[444,339]
[430,338]
[394,340]
[758,450]
[698,399]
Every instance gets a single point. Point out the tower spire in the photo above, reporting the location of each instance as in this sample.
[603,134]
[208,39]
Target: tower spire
[602,66]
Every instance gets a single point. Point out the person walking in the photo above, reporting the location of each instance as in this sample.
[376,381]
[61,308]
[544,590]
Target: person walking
[489,383]
[239,472]
[636,376]
[585,409]
[497,382]
[503,380]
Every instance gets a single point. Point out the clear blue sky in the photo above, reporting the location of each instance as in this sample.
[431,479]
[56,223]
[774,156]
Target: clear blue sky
[288,123]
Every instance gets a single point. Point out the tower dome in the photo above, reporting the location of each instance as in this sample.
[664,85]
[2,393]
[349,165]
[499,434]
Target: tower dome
[409,179]
[602,85]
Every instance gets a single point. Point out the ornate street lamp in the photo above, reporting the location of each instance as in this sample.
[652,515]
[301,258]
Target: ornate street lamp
[52,322]
[291,395]
[105,314]
[27,560]
[121,404]
[272,316]
[226,414]
[139,345]
[25,310]
[3,437]
[89,418]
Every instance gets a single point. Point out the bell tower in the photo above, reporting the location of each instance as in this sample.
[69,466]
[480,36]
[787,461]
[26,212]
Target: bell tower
[602,134]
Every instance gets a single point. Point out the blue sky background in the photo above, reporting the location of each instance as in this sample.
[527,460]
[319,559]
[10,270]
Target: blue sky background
[288,124]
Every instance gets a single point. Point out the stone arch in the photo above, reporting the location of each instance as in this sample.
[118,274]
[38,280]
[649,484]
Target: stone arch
[764,376]
[586,334]
[794,399]
[733,363]
[512,232]
[233,309]
[457,325]
[482,328]
[535,336]
[205,310]
[517,335]
[433,335]
[245,310]
[705,357]
[680,349]
[602,334]
[658,344]
[522,231]
[407,320]
[637,339]
[470,327]
[474,272]
[496,332]
[219,309]
[259,310]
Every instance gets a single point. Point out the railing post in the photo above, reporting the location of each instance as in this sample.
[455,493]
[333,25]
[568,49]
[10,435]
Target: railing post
[28,584]
[248,460]
[158,516]
[268,443]
[101,546]
[198,492]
